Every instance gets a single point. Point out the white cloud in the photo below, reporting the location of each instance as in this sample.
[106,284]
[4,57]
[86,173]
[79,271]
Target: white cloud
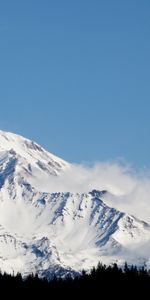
[130,190]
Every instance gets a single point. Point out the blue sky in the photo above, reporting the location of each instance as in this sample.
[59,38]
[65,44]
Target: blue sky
[75,77]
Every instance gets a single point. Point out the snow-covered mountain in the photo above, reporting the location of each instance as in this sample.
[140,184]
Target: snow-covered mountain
[56,233]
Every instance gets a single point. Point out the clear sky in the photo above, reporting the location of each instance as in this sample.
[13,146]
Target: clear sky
[75,76]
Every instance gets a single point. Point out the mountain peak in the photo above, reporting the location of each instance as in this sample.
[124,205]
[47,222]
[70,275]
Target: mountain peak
[17,142]
[32,162]
[26,148]
[14,141]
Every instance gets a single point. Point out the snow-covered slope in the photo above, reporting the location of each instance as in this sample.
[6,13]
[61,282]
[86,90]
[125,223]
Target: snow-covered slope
[56,233]
[21,158]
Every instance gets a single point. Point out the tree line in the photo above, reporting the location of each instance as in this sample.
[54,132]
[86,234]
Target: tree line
[104,280]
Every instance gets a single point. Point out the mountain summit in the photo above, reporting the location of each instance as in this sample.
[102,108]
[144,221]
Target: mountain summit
[31,153]
[57,233]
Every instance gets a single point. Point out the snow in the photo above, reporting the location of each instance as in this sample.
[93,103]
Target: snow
[57,232]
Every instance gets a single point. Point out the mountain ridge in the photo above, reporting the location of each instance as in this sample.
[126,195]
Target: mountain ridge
[60,232]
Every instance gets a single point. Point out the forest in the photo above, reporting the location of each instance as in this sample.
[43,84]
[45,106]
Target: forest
[101,281]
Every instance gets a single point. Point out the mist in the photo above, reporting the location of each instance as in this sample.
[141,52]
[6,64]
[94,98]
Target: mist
[128,190]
